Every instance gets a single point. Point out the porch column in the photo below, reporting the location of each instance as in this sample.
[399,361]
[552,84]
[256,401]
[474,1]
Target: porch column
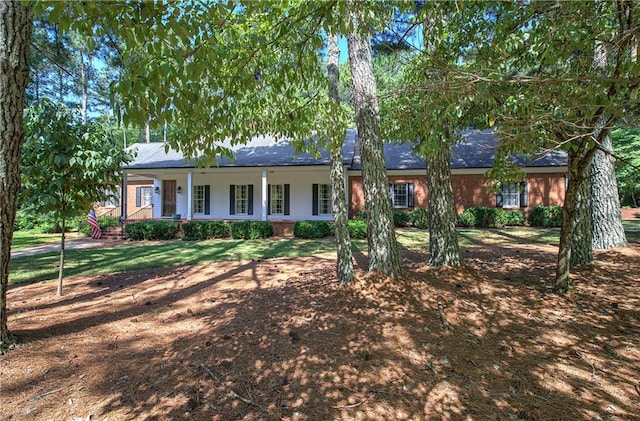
[189,195]
[264,195]
[123,197]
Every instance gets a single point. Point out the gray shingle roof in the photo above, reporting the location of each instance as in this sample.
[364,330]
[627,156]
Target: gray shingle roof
[261,151]
[476,150]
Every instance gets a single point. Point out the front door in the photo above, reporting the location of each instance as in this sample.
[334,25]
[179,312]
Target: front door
[168,197]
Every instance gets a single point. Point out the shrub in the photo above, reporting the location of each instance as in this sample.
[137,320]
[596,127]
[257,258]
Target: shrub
[260,229]
[637,214]
[401,218]
[357,229]
[204,230]
[419,218]
[483,218]
[105,223]
[361,215]
[313,229]
[251,230]
[545,216]
[26,220]
[152,230]
[239,230]
[515,218]
[467,218]
[496,217]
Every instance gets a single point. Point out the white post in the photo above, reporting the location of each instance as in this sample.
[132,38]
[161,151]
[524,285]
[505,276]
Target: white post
[264,195]
[189,195]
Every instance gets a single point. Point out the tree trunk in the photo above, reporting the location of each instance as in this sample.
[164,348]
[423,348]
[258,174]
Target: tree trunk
[572,211]
[443,238]
[608,231]
[61,267]
[383,249]
[582,232]
[344,266]
[15,36]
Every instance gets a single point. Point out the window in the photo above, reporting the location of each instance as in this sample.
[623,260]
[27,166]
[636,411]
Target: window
[198,199]
[277,199]
[401,195]
[242,199]
[324,199]
[321,200]
[512,195]
[144,196]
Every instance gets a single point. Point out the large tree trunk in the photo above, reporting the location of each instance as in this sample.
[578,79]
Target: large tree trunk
[15,37]
[383,249]
[443,238]
[576,225]
[344,266]
[608,231]
[582,232]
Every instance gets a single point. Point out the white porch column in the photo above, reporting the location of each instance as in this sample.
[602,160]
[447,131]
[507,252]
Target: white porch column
[264,195]
[189,195]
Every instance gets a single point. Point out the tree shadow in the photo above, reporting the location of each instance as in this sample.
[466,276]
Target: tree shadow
[265,341]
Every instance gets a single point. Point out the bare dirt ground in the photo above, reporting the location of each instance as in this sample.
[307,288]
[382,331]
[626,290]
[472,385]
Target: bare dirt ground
[278,339]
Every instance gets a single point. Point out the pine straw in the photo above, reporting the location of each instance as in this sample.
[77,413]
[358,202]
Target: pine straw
[279,339]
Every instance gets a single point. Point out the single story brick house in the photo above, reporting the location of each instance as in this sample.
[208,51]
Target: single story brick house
[267,181]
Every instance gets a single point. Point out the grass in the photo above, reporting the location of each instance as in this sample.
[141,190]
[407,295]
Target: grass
[32,238]
[175,253]
[171,253]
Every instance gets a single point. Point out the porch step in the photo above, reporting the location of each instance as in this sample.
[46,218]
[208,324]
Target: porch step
[113,233]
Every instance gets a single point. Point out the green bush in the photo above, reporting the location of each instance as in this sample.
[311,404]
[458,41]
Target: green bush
[239,230]
[46,223]
[105,223]
[419,218]
[357,229]
[313,229]
[26,220]
[251,230]
[545,216]
[204,230]
[260,229]
[152,230]
[401,218]
[483,218]
[361,215]
[515,218]
[467,218]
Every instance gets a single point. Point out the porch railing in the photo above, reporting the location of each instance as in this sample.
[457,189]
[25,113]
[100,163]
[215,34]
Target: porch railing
[142,214]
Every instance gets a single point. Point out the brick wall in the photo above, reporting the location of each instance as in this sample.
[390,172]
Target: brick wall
[471,190]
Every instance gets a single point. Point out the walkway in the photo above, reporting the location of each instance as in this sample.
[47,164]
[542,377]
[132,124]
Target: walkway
[71,244]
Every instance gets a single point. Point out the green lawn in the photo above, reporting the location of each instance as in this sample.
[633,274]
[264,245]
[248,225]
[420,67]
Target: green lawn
[32,238]
[173,253]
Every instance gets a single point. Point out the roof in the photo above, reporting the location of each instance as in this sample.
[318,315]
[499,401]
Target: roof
[261,151]
[476,150]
